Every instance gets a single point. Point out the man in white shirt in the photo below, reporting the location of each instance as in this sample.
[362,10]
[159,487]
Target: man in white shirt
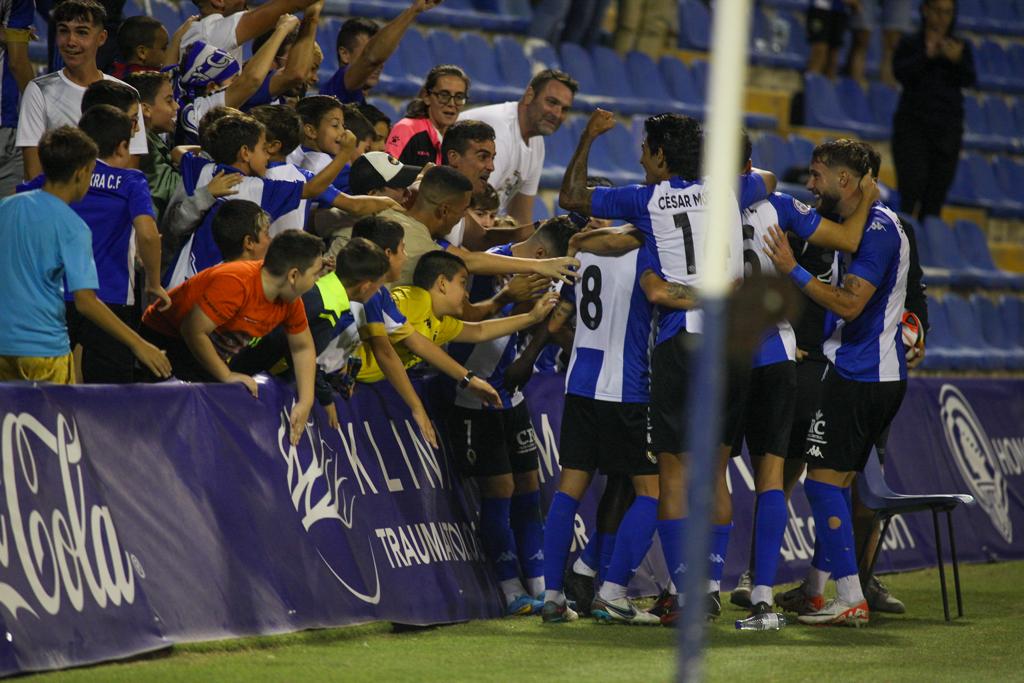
[228,25]
[518,131]
[55,99]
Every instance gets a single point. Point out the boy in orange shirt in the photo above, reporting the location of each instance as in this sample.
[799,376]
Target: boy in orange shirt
[248,298]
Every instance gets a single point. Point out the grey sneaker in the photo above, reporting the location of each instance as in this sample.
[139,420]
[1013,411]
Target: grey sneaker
[741,594]
[554,613]
[880,599]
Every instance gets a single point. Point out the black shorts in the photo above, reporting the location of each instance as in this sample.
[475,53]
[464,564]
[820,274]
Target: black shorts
[826,26]
[668,417]
[184,365]
[605,435]
[768,417]
[851,418]
[104,359]
[489,443]
[808,396]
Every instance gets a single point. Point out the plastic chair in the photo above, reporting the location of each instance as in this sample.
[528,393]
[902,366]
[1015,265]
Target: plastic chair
[512,61]
[876,495]
[822,108]
[694,25]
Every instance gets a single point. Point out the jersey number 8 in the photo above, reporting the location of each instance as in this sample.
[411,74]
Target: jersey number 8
[591,310]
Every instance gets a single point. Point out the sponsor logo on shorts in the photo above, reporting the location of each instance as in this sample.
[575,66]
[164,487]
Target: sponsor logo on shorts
[976,457]
[526,440]
[816,432]
[651,457]
[814,451]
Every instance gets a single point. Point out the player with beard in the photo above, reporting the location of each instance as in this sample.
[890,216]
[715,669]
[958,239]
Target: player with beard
[865,378]
[468,147]
[519,129]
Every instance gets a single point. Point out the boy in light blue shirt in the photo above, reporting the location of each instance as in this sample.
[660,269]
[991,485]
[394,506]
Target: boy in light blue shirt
[46,247]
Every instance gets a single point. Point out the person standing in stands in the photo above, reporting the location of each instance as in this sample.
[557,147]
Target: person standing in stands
[934,67]
[228,25]
[519,128]
[827,21]
[363,47]
[416,139]
[16,21]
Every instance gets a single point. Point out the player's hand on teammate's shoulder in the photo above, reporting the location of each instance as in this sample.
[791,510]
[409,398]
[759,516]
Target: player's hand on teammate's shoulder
[778,250]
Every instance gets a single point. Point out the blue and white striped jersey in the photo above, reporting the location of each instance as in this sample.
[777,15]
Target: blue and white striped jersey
[276,197]
[13,14]
[778,345]
[672,215]
[296,219]
[869,348]
[489,359]
[611,349]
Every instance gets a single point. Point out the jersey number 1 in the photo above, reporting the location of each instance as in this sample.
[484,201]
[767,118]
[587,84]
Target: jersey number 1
[682,221]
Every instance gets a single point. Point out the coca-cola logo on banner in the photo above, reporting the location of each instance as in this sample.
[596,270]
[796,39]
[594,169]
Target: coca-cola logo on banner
[67,553]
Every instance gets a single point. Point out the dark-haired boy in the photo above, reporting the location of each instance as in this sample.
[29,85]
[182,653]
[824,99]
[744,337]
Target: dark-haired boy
[119,213]
[324,136]
[143,45]
[249,299]
[160,113]
[381,125]
[241,230]
[45,251]
[238,144]
[363,47]
[55,99]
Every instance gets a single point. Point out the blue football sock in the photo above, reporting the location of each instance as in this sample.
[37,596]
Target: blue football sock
[591,553]
[769,527]
[558,533]
[607,550]
[528,526]
[719,548]
[827,502]
[496,535]
[671,532]
[633,539]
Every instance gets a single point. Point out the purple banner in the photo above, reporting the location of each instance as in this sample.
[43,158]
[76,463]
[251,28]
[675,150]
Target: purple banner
[132,518]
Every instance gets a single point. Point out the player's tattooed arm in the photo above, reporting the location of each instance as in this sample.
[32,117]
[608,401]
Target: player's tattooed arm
[668,294]
[574,194]
[846,301]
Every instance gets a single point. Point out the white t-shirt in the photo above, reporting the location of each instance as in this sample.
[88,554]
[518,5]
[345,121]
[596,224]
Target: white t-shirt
[216,30]
[457,234]
[52,101]
[517,165]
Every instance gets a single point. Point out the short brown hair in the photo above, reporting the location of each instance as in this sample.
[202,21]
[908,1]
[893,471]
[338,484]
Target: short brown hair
[853,154]
[547,75]
[65,150]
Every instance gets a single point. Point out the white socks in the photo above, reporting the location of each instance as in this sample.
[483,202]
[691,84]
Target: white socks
[512,588]
[611,591]
[535,586]
[582,568]
[848,589]
[557,597]
[816,580]
[761,594]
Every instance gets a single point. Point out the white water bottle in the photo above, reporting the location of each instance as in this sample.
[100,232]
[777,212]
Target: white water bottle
[762,622]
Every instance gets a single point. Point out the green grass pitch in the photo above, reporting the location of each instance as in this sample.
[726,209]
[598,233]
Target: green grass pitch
[986,645]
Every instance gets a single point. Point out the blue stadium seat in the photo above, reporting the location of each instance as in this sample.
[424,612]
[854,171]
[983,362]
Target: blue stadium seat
[854,103]
[1004,17]
[962,191]
[943,252]
[543,56]
[578,62]
[973,245]
[993,68]
[512,61]
[326,38]
[700,69]
[445,49]
[607,156]
[943,348]
[977,134]
[822,108]
[133,9]
[1010,175]
[772,42]
[648,83]
[884,99]
[966,327]
[772,153]
[694,25]
[987,189]
[971,15]
[167,14]
[933,273]
[1002,125]
[996,326]
[482,66]
[680,82]
[386,108]
[541,210]
[615,82]
[801,149]
[558,150]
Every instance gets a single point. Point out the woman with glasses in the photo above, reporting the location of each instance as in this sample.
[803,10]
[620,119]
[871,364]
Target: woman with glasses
[416,139]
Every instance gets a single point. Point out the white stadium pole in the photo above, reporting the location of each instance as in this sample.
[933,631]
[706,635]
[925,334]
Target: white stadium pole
[729,50]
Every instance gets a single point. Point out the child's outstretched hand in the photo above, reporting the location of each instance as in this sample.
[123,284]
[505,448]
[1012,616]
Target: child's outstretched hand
[543,307]
[223,183]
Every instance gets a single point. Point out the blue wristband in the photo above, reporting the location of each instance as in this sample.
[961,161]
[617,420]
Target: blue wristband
[800,276]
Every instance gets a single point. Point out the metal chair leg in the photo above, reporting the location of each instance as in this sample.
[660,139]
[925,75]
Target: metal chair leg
[878,548]
[942,568]
[956,564]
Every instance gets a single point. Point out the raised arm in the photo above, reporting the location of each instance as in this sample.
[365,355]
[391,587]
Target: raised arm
[575,195]
[660,292]
[482,263]
[474,333]
[257,21]
[391,365]
[383,44]
[300,57]
[436,356]
[606,241]
[255,71]
[846,236]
